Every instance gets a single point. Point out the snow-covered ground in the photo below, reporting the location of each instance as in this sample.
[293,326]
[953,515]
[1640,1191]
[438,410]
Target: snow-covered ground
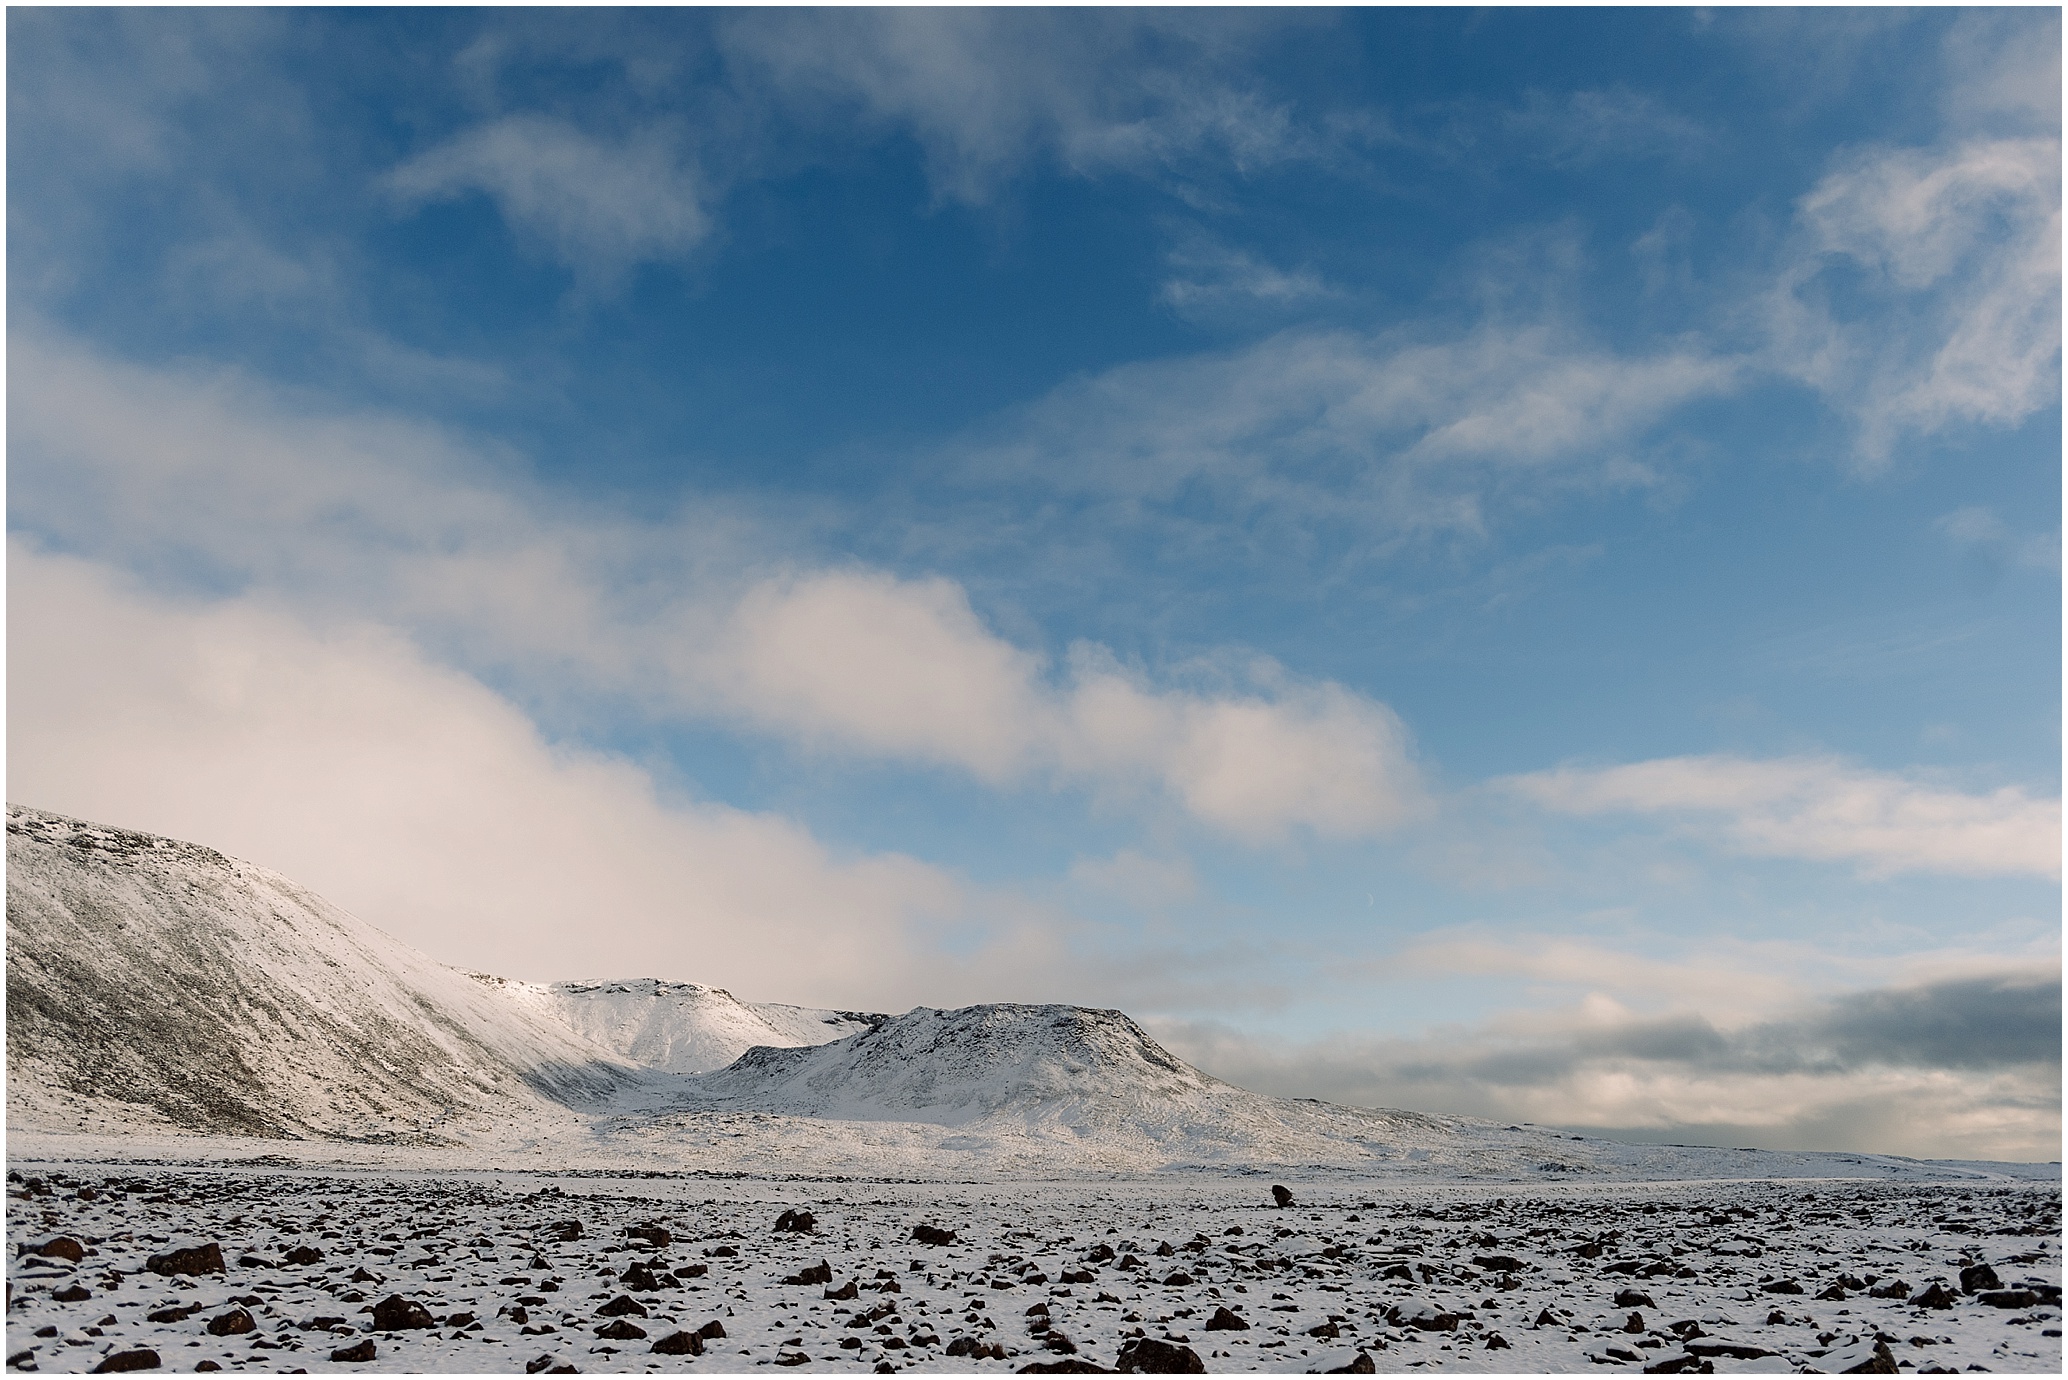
[1733,1276]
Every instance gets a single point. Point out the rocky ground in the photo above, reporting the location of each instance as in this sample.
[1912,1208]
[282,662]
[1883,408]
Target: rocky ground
[291,1269]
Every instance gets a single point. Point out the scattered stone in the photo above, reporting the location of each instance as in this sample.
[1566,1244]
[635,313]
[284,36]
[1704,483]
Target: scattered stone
[363,1352]
[563,1231]
[1148,1356]
[304,1255]
[1975,1278]
[1178,1279]
[1634,1323]
[680,1344]
[58,1248]
[712,1331]
[1780,1286]
[72,1293]
[234,1323]
[1634,1298]
[1281,1195]
[821,1273]
[656,1237]
[1938,1296]
[2008,1298]
[622,1330]
[1360,1364]
[188,1260]
[1073,1366]
[143,1358]
[624,1305]
[941,1236]
[1224,1320]
[849,1290]
[795,1220]
[398,1314]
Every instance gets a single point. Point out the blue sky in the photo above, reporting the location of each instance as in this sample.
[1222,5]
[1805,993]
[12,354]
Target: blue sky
[1499,561]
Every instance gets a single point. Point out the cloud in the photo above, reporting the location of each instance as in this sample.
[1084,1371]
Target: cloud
[1209,277]
[1980,531]
[1389,433]
[1926,288]
[1581,128]
[988,93]
[904,669]
[207,480]
[1821,809]
[598,205]
[1961,1066]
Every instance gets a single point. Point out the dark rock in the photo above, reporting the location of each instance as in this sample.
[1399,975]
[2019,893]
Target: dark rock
[398,1314]
[1178,1279]
[656,1237]
[623,1306]
[234,1323]
[188,1260]
[1634,1323]
[1079,1277]
[459,1319]
[1634,1298]
[1224,1320]
[1881,1362]
[1281,1195]
[1506,1264]
[1725,1346]
[1894,1289]
[941,1236]
[562,1231]
[1780,1286]
[1361,1366]
[1938,1296]
[1834,1294]
[1545,1318]
[1681,1363]
[259,1262]
[622,1330]
[365,1351]
[712,1331]
[639,1277]
[538,1365]
[1397,1272]
[58,1248]
[363,1276]
[72,1293]
[821,1273]
[1975,1278]
[2008,1298]
[792,1358]
[1148,1356]
[849,1290]
[680,1344]
[1073,1366]
[1496,1342]
[304,1255]
[1327,1332]
[143,1358]
[1099,1254]
[795,1220]
[173,1315]
[722,1252]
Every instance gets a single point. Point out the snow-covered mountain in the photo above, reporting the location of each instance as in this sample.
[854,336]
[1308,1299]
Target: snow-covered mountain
[159,984]
[685,1027]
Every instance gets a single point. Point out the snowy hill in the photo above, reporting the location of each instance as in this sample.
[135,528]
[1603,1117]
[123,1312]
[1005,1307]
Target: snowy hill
[158,984]
[685,1027]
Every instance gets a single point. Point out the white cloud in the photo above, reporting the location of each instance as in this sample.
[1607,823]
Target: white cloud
[985,93]
[1390,433]
[1209,277]
[421,801]
[1979,529]
[1952,310]
[1822,809]
[598,205]
[179,472]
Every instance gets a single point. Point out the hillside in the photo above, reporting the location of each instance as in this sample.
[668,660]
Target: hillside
[159,984]
[685,1027]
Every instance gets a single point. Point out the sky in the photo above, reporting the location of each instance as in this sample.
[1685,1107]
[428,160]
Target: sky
[1499,562]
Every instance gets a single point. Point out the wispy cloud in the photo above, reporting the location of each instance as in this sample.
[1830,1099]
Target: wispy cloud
[1822,809]
[599,205]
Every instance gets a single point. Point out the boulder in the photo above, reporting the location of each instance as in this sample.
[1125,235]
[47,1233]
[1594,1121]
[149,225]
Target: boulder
[1975,1278]
[58,1248]
[364,1351]
[304,1255]
[1224,1320]
[623,1306]
[928,1235]
[1148,1356]
[680,1344]
[233,1323]
[621,1330]
[398,1314]
[1281,1195]
[1938,1296]
[1634,1298]
[143,1358]
[1350,1362]
[188,1260]
[794,1219]
[821,1273]
[2008,1298]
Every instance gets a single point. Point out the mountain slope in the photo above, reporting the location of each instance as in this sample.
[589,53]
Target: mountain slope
[685,1027]
[160,984]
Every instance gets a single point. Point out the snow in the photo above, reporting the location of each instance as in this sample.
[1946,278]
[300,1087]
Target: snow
[685,1027]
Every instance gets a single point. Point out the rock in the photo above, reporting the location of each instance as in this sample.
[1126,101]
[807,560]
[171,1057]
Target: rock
[1224,1320]
[2005,1298]
[58,1248]
[143,1358]
[1834,1294]
[1506,1264]
[1073,1366]
[1707,1347]
[795,1220]
[1681,1363]
[188,1260]
[1938,1296]
[1281,1195]
[1870,1357]
[792,1358]
[1178,1279]
[941,1236]
[821,1273]
[622,1330]
[363,1276]
[1545,1318]
[1341,1363]
[637,1276]
[304,1255]
[712,1331]
[72,1293]
[538,1365]
[173,1315]
[259,1262]
[458,1319]
[1894,1289]
[398,1314]
[1148,1356]
[1780,1286]
[849,1290]
[1634,1298]
[1634,1323]
[1423,1316]
[1975,1278]
[365,1351]
[1327,1331]
[562,1231]
[234,1323]
[656,1237]
[623,1306]
[1496,1342]
[680,1344]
